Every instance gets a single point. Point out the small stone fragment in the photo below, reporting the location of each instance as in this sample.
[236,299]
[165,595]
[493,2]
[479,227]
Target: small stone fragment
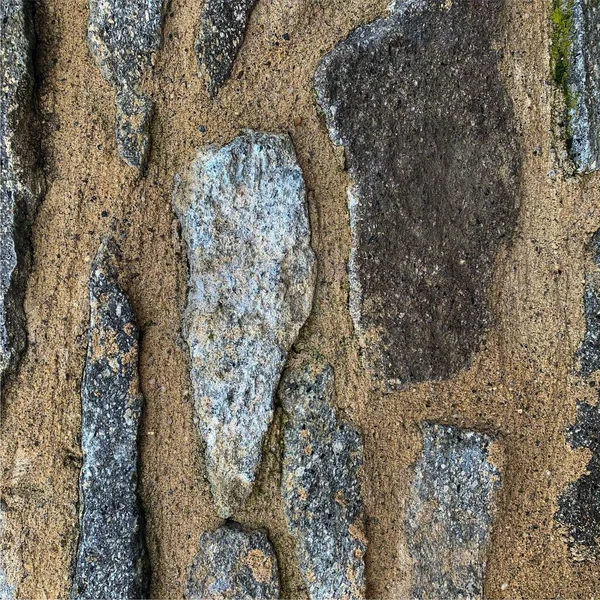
[320,487]
[589,351]
[576,64]
[234,563]
[579,504]
[417,101]
[450,513]
[243,216]
[221,35]
[7,591]
[123,37]
[20,176]
[111,558]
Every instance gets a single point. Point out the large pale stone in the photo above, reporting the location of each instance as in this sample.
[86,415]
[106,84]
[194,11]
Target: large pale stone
[20,177]
[111,558]
[576,64]
[236,563]
[243,216]
[320,487]
[222,28]
[123,37]
[450,512]
[417,101]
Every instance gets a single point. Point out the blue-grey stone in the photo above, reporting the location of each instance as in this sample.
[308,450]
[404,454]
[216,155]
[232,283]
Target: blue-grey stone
[244,220]
[577,70]
[20,177]
[450,513]
[234,563]
[111,557]
[123,37]
[320,487]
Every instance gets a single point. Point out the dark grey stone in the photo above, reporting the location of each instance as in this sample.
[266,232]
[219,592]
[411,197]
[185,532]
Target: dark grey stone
[221,34]
[417,101]
[123,38]
[111,558]
[233,562]
[589,351]
[579,504]
[244,220]
[20,177]
[450,512]
[576,56]
[320,487]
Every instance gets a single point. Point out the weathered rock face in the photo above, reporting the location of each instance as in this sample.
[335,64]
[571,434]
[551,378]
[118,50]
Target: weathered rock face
[576,63]
[417,101]
[111,558]
[221,35]
[450,512]
[123,37]
[589,351]
[20,180]
[7,591]
[579,505]
[235,563]
[320,488]
[243,216]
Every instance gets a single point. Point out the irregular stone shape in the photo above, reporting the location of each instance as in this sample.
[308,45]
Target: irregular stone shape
[450,513]
[243,215]
[235,563]
[20,177]
[417,101]
[7,591]
[221,35]
[579,504]
[123,38]
[111,558]
[320,487]
[589,351]
[576,63]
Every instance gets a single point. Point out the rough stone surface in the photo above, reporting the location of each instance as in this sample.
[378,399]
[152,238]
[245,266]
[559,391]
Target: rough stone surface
[235,563]
[589,351]
[450,512]
[221,35]
[111,558]
[577,70]
[417,101]
[579,505]
[20,180]
[123,36]
[7,591]
[243,215]
[320,488]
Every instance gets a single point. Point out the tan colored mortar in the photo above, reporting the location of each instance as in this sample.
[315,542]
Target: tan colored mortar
[520,384]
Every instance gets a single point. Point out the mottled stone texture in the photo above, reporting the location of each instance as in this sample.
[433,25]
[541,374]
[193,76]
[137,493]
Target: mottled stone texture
[7,591]
[417,101]
[320,488]
[576,54]
[221,34]
[450,513]
[589,351]
[579,505]
[111,558]
[243,215]
[234,563]
[123,36]
[20,177]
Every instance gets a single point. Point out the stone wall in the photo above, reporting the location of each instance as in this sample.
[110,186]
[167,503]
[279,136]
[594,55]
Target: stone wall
[299,299]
